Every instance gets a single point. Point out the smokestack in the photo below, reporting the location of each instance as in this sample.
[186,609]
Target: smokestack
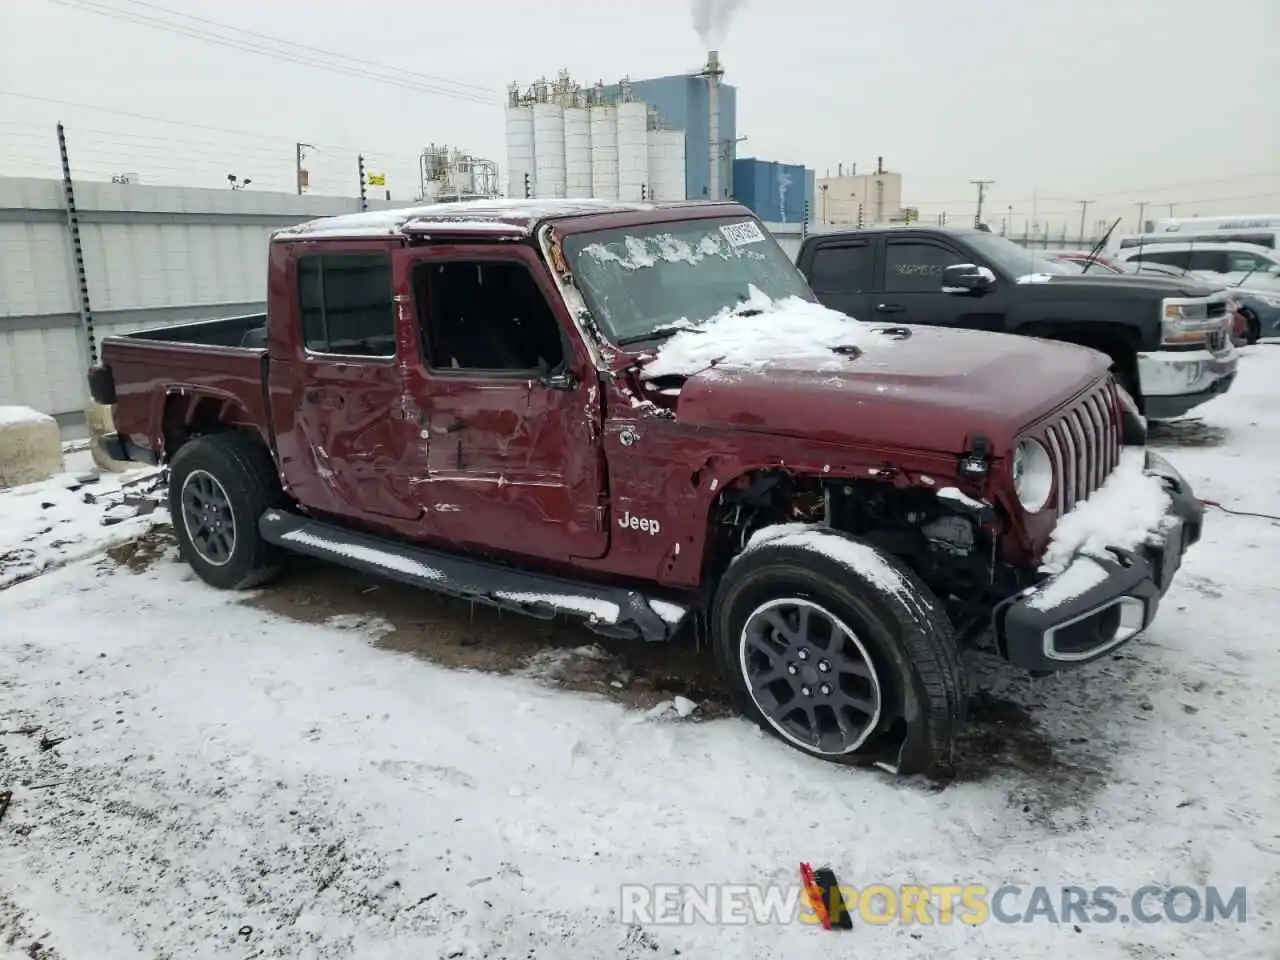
[713,72]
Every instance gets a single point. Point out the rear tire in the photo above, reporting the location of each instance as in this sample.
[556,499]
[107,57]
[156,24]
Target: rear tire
[219,487]
[1253,330]
[840,651]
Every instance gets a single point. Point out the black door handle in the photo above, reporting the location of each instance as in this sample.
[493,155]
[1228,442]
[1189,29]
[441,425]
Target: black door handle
[889,308]
[454,425]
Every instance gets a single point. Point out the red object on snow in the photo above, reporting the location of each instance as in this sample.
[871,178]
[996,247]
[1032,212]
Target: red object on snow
[814,893]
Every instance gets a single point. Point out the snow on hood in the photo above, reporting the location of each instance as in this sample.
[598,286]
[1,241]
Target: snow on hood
[758,332]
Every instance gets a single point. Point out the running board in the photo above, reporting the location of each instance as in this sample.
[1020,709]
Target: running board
[610,611]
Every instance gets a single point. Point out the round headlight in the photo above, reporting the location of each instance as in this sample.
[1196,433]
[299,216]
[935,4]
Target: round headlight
[1032,475]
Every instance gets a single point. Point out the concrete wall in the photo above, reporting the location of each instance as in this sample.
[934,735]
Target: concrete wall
[153,256]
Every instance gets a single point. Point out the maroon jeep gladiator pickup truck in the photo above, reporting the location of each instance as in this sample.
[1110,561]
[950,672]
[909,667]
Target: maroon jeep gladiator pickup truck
[639,415]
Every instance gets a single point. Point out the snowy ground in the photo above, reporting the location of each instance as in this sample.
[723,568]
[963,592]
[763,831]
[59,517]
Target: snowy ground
[194,774]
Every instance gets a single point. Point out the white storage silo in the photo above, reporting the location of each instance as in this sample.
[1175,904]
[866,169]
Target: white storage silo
[633,151]
[666,165]
[548,146]
[604,151]
[521,158]
[577,153]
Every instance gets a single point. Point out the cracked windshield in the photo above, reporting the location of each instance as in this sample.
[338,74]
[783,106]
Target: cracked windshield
[644,283]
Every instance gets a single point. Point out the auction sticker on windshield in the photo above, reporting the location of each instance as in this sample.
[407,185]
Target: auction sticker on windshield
[741,234]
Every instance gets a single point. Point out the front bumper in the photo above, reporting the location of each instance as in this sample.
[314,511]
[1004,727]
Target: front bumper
[1108,600]
[1176,381]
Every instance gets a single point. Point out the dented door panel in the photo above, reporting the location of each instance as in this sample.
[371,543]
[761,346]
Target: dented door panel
[509,465]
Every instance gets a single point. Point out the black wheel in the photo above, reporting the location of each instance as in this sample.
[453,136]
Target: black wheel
[219,485]
[840,651]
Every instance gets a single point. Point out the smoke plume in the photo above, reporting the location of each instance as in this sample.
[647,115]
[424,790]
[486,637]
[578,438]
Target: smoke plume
[711,19]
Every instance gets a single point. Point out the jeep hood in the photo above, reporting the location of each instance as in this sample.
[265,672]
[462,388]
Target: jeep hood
[925,388]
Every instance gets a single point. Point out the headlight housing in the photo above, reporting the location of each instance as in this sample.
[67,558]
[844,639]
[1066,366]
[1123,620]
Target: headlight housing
[1186,321]
[1032,475]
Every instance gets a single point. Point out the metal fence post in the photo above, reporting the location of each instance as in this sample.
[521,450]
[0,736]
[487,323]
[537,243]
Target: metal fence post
[77,249]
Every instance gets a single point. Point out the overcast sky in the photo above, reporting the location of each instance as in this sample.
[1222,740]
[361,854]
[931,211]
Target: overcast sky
[1163,101]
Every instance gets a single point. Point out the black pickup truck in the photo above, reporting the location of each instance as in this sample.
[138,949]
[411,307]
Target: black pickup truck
[1168,339]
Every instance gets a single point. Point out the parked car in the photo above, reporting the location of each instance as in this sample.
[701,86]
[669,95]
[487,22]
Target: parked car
[1168,340]
[1250,272]
[638,415]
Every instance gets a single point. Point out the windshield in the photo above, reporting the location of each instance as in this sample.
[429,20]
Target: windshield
[1015,260]
[644,282]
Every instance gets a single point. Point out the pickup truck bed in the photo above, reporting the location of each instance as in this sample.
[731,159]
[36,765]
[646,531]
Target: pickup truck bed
[186,374]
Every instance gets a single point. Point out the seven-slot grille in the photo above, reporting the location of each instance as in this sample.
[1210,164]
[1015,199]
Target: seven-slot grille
[1084,444]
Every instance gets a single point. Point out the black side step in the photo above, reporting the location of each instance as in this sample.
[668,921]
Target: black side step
[610,611]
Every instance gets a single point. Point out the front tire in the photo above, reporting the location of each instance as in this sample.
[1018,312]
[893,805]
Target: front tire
[219,486]
[840,651]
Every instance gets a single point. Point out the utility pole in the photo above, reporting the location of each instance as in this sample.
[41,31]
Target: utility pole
[300,175]
[364,200]
[1084,206]
[982,193]
[1142,209]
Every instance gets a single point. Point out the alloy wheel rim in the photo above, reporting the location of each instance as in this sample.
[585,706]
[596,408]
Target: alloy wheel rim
[209,520]
[810,676]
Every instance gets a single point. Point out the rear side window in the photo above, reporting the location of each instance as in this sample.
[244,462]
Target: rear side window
[1215,260]
[845,267]
[1174,258]
[345,303]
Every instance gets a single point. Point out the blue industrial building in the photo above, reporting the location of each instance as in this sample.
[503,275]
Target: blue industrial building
[775,192]
[681,103]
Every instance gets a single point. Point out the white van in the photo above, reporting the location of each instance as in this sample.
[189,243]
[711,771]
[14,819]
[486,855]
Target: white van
[1252,221]
[1268,237]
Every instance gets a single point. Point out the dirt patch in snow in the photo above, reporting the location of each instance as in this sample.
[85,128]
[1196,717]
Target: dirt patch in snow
[460,635]
[1191,432]
[138,555]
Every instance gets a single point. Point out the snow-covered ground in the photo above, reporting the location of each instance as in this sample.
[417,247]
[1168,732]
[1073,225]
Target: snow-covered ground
[193,775]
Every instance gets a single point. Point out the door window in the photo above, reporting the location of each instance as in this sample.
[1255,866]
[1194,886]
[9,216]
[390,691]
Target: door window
[345,303]
[843,268]
[1215,260]
[913,266]
[1174,258]
[1246,262]
[485,315]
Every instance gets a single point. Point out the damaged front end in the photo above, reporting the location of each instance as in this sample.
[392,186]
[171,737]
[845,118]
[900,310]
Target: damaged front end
[1103,590]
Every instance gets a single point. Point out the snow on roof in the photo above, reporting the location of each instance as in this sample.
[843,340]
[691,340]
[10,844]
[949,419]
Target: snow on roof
[463,215]
[757,332]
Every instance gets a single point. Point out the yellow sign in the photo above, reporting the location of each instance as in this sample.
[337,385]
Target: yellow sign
[377,179]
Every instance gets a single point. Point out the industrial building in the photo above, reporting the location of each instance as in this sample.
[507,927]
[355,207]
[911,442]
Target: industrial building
[665,139]
[851,198]
[448,174]
[775,192]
